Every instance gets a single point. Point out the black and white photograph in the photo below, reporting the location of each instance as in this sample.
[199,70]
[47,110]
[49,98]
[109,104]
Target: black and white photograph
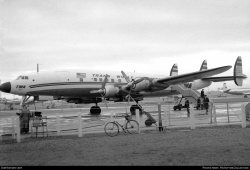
[125,83]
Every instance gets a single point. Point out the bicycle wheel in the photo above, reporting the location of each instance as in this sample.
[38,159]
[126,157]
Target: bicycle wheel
[111,129]
[132,126]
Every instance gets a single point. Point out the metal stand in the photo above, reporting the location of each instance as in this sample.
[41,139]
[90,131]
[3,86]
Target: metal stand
[39,122]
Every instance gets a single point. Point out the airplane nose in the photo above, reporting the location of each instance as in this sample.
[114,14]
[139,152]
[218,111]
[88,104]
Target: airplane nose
[5,87]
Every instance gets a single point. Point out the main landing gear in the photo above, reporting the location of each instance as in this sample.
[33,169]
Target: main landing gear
[95,110]
[133,108]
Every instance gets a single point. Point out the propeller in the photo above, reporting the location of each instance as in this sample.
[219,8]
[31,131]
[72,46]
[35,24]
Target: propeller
[133,81]
[102,90]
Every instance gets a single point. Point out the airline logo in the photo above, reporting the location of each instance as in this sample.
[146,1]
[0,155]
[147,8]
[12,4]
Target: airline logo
[204,65]
[175,69]
[20,87]
[239,62]
[80,75]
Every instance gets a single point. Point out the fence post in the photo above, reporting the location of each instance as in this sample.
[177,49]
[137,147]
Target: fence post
[192,123]
[166,117]
[58,124]
[13,127]
[243,115]
[159,114]
[18,137]
[214,115]
[211,112]
[79,125]
[169,114]
[137,112]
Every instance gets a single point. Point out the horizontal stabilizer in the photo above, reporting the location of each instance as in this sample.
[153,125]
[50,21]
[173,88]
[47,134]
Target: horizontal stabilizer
[237,77]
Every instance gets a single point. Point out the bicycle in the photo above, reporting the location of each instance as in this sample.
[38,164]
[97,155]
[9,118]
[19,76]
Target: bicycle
[112,128]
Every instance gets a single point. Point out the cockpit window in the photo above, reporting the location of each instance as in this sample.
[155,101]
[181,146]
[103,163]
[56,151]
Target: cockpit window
[18,77]
[22,77]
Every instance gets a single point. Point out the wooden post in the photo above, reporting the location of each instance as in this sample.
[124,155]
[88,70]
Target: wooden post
[13,127]
[214,115]
[159,114]
[192,123]
[18,137]
[227,112]
[169,114]
[243,115]
[166,117]
[79,125]
[211,112]
[137,112]
[58,124]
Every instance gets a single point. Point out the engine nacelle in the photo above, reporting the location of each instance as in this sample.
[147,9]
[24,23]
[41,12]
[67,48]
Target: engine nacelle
[111,91]
[144,85]
[199,84]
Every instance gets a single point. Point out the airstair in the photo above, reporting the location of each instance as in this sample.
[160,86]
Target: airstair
[190,94]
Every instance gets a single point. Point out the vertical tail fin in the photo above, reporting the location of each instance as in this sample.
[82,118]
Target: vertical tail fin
[238,76]
[204,65]
[174,70]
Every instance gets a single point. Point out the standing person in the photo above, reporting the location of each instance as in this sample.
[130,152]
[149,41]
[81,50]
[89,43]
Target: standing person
[198,103]
[187,106]
[202,93]
[206,104]
[24,119]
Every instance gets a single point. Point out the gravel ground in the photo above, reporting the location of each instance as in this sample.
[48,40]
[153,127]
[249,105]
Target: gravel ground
[216,146]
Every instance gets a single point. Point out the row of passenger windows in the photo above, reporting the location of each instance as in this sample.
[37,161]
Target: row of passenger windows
[101,80]
[112,80]
[22,77]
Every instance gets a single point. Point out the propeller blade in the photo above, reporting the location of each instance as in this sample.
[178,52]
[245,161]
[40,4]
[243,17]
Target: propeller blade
[125,76]
[104,81]
[104,100]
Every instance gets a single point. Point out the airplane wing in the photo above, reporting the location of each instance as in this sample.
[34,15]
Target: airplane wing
[183,78]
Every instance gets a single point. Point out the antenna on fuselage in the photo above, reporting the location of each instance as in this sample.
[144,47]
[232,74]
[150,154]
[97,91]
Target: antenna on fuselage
[37,67]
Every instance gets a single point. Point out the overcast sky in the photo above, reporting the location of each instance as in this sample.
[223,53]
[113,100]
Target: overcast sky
[143,35]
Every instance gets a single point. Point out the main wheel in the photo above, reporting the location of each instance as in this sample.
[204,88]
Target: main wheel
[148,122]
[111,129]
[95,110]
[132,126]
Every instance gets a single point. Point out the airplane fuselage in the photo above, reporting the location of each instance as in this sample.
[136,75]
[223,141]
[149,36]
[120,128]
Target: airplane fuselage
[68,83]
[238,91]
